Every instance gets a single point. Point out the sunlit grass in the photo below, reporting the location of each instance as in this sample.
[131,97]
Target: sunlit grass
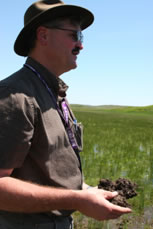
[118,143]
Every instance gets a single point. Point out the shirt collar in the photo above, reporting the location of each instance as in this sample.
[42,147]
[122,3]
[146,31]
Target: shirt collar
[56,84]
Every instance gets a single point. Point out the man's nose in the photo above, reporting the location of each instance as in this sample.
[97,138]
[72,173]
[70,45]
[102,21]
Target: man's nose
[79,45]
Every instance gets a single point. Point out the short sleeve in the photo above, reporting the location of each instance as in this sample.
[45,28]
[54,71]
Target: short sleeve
[16,127]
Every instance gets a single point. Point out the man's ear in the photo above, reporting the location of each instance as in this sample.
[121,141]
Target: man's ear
[42,35]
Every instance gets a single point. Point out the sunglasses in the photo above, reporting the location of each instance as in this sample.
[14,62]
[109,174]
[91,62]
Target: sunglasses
[77,34]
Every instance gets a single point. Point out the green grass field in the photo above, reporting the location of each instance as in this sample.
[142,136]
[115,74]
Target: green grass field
[118,142]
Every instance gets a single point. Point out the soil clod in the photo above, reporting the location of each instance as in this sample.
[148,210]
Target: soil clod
[124,187]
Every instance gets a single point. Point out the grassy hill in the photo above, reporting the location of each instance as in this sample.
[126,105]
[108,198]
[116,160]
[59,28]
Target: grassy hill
[114,108]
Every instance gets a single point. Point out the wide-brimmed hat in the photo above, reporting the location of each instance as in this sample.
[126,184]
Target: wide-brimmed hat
[46,10]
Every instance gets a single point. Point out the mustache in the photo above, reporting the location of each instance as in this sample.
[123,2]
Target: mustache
[76,50]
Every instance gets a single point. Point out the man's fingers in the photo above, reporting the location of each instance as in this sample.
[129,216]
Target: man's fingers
[117,211]
[111,195]
[122,209]
[118,208]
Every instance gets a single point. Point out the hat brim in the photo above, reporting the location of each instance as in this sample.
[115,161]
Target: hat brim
[20,45]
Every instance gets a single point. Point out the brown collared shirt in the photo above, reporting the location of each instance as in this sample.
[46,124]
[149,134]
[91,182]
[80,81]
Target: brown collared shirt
[33,139]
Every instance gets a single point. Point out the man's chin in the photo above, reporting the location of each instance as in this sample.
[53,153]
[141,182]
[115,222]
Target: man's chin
[73,66]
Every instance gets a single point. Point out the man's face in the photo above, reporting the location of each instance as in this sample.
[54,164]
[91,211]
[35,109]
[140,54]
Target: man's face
[63,48]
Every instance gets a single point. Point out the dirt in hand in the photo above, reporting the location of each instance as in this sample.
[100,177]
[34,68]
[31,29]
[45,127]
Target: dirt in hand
[124,187]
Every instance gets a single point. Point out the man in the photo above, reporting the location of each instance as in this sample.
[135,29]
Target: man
[41,180]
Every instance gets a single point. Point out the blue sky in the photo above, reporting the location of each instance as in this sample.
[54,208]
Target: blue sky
[116,65]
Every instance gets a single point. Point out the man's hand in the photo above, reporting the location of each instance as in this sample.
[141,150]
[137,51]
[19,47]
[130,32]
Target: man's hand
[21,196]
[94,203]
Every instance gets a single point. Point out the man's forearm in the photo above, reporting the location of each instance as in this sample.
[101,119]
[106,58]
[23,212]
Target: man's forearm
[20,196]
